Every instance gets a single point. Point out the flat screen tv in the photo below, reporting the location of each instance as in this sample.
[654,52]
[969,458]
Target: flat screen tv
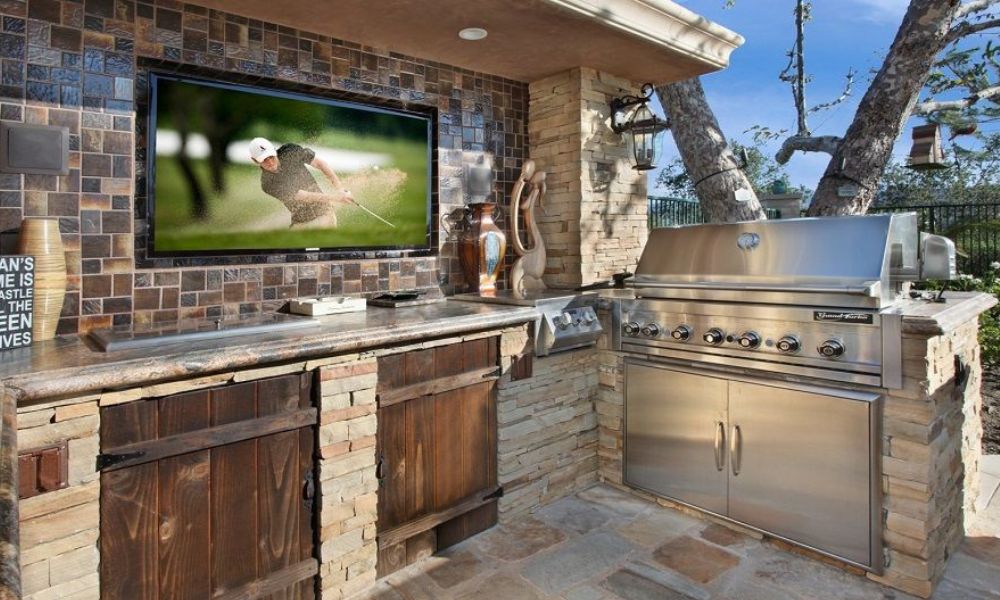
[236,169]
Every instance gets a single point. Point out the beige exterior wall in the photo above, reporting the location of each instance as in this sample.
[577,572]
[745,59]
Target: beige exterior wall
[596,222]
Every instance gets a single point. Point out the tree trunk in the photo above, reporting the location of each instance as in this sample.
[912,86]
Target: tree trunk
[217,161]
[199,205]
[866,149]
[707,157]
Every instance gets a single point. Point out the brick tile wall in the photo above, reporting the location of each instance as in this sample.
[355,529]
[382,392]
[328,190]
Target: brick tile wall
[82,64]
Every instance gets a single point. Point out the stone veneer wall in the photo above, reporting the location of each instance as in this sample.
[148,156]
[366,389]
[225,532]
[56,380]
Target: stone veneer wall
[597,207]
[546,427]
[931,446]
[81,65]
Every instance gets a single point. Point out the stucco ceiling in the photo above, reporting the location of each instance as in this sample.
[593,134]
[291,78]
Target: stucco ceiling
[642,40]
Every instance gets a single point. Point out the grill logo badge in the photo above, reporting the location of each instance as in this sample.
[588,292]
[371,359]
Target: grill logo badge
[843,317]
[748,240]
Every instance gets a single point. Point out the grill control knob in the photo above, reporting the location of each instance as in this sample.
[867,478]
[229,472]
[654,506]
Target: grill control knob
[714,336]
[681,333]
[651,330]
[631,328]
[831,348]
[564,320]
[789,344]
[749,340]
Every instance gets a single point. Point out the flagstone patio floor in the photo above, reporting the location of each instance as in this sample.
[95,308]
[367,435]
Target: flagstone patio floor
[604,544]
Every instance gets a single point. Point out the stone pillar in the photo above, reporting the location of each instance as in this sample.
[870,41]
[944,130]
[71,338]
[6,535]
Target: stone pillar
[597,209]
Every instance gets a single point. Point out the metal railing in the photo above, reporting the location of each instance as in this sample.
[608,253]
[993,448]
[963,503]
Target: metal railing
[975,229]
[674,212]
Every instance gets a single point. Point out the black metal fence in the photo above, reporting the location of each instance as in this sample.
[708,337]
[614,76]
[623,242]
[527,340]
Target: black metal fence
[975,228]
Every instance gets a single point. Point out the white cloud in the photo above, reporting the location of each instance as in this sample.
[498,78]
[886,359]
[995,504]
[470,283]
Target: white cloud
[881,11]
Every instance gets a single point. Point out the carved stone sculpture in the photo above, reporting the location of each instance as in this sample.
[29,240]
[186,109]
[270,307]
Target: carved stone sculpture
[526,274]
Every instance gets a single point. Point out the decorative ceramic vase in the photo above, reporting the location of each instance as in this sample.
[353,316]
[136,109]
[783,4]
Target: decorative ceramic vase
[40,238]
[481,248]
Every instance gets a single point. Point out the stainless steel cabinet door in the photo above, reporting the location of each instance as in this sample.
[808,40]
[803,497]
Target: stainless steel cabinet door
[801,465]
[675,435]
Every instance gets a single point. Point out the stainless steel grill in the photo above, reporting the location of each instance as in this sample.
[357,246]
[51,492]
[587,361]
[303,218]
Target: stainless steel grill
[756,357]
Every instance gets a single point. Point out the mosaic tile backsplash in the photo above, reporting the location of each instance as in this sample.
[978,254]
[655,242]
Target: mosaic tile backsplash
[82,63]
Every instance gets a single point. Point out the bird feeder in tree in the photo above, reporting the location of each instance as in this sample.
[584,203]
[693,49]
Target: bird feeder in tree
[926,153]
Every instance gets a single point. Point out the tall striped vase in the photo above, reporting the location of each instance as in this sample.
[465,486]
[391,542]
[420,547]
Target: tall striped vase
[40,238]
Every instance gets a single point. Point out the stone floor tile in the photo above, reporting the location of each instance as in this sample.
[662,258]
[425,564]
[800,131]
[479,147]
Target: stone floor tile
[972,575]
[801,577]
[720,535]
[990,463]
[670,579]
[502,586]
[520,539]
[621,503]
[576,561]
[695,559]
[574,515]
[658,526]
[410,583]
[587,592]
[629,585]
[986,549]
[988,486]
[451,568]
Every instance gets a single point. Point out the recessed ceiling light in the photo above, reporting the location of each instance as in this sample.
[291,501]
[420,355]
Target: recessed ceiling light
[472,33]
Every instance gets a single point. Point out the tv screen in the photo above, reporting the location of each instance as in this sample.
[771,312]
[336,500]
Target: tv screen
[237,169]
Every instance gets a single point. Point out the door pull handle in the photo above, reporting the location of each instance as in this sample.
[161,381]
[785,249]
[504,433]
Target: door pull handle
[720,443]
[736,449]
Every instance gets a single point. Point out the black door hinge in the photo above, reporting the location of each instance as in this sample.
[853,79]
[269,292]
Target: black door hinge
[497,493]
[105,461]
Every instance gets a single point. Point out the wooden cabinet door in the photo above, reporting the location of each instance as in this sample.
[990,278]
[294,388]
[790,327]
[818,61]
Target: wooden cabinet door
[212,495]
[436,448]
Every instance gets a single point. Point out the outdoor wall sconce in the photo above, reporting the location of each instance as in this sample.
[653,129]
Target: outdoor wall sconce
[631,114]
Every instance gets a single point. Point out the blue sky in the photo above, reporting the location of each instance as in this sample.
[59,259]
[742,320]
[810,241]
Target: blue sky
[842,34]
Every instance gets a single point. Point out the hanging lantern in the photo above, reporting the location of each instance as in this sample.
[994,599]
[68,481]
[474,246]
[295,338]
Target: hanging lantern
[631,115]
[926,153]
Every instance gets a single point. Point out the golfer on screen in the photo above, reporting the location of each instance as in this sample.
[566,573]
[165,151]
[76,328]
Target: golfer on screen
[284,176]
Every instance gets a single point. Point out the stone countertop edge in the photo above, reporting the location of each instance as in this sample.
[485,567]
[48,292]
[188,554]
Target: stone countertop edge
[929,319]
[147,367]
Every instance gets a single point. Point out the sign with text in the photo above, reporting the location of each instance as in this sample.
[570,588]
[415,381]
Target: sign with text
[17,300]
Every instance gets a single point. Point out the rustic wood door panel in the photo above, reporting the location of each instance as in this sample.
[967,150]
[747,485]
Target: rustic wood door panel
[223,521]
[437,448]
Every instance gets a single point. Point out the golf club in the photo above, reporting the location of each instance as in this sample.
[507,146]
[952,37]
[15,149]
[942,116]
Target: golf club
[373,214]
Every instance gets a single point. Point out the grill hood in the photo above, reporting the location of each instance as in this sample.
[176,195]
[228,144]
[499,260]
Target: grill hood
[843,261]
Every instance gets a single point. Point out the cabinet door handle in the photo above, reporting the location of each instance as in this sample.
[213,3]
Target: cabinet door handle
[720,443]
[736,449]
[380,469]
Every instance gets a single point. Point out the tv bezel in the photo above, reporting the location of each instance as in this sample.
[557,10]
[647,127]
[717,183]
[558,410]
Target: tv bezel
[330,97]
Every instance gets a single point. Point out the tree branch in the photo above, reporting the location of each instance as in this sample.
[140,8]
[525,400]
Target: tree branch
[931,106]
[848,88]
[803,143]
[974,7]
[965,28]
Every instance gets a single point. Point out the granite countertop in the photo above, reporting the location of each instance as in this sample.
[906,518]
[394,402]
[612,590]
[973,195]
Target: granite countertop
[922,317]
[72,365]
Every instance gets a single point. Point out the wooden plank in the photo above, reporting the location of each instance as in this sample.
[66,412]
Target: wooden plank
[275,582]
[421,546]
[184,530]
[477,354]
[391,441]
[306,385]
[451,481]
[419,366]
[183,413]
[476,446]
[391,558]
[449,360]
[234,493]
[438,385]
[421,468]
[307,507]
[124,424]
[391,372]
[278,394]
[213,436]
[129,538]
[412,528]
[280,485]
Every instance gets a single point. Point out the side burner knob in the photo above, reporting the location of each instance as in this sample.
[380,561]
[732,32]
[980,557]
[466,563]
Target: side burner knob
[651,330]
[714,336]
[681,333]
[564,320]
[631,328]
[749,340]
[831,348]
[789,344]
